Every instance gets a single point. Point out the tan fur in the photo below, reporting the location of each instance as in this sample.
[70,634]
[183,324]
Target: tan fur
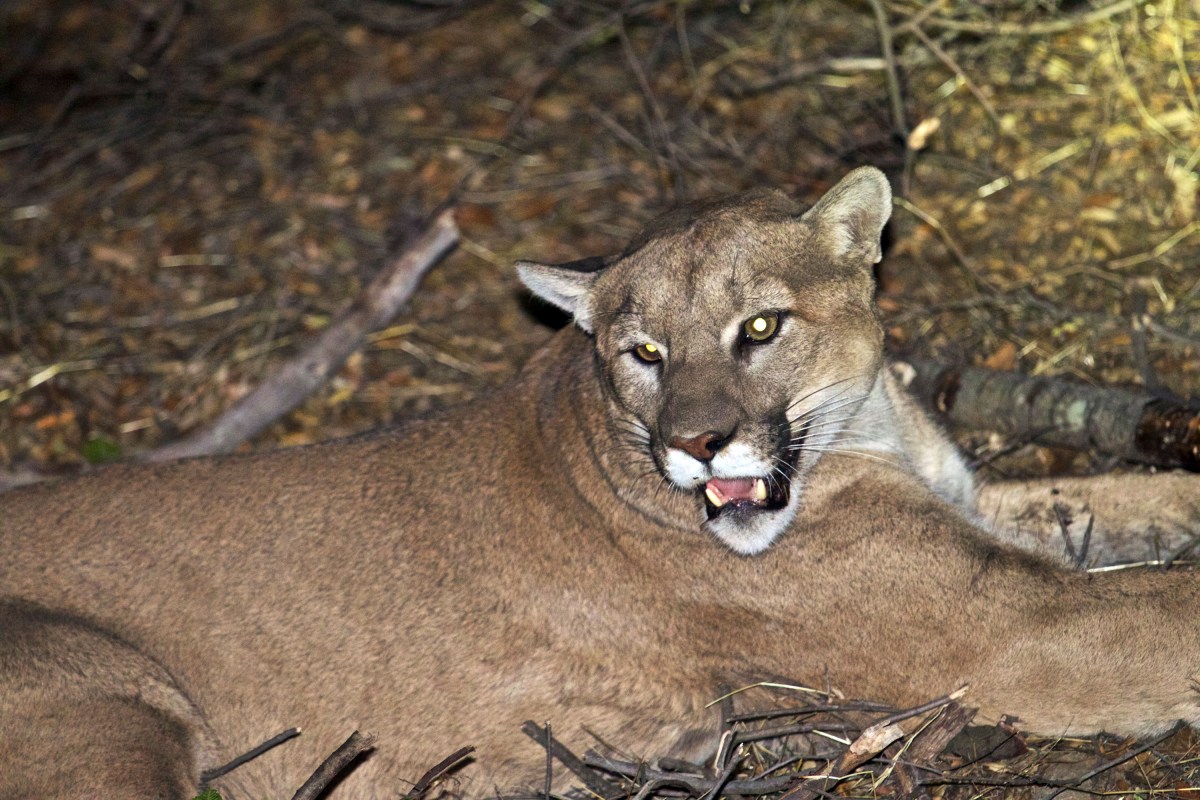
[526,557]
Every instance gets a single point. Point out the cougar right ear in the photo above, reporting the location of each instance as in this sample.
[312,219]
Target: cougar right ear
[850,217]
[564,285]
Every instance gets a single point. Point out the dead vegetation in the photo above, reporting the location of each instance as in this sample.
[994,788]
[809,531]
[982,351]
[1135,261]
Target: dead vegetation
[832,747]
[193,191]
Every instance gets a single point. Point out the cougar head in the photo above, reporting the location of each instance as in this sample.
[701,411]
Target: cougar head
[735,339]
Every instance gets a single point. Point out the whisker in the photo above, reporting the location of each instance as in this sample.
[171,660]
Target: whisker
[801,399]
[845,438]
[818,424]
[860,454]
[832,404]
[630,424]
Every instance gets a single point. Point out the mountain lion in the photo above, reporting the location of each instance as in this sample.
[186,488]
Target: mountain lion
[711,478]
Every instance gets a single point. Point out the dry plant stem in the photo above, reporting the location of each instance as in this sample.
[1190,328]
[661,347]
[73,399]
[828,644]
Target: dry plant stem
[870,742]
[696,784]
[332,766]
[893,79]
[810,69]
[210,775]
[806,710]
[937,702]
[1036,28]
[1060,786]
[297,379]
[670,163]
[1134,753]
[960,258]
[438,770]
[1064,413]
[953,66]
[745,737]
[594,783]
[549,764]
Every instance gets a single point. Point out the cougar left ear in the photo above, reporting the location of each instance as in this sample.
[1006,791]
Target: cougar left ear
[849,219]
[564,285]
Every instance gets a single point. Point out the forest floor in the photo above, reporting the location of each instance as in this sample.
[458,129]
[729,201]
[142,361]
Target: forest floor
[193,190]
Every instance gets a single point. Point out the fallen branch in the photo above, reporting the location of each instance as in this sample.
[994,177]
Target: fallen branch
[295,380]
[210,775]
[439,769]
[698,785]
[577,766]
[1061,412]
[332,766]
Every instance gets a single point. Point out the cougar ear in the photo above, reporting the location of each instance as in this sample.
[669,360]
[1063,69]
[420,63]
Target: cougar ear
[850,217]
[564,285]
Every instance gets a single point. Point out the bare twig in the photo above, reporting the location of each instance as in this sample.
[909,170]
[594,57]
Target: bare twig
[813,709]
[1034,28]
[1134,753]
[953,66]
[697,784]
[572,762]
[960,258]
[1062,514]
[438,770]
[807,69]
[937,702]
[660,119]
[298,378]
[893,77]
[332,766]
[549,763]
[210,775]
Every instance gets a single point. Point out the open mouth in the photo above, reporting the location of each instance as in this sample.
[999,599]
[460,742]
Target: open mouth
[743,495]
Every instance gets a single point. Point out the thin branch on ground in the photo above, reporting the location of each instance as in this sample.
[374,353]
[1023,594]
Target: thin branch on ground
[332,766]
[953,66]
[1031,28]
[210,775]
[295,380]
[893,78]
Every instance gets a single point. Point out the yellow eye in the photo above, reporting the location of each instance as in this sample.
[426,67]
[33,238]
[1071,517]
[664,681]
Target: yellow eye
[761,327]
[648,352]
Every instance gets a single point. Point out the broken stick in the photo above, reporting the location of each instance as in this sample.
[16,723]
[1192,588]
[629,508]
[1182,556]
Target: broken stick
[298,378]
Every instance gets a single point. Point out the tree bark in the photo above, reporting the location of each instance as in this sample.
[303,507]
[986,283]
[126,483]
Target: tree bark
[1058,411]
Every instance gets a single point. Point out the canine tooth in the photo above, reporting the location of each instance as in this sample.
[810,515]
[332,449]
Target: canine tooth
[760,489]
[713,497]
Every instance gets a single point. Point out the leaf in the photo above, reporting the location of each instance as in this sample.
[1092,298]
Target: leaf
[208,794]
[101,451]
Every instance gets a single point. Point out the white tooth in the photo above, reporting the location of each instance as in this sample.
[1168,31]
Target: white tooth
[760,490]
[713,497]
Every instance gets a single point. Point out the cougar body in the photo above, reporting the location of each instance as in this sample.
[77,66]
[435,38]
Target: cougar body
[711,480]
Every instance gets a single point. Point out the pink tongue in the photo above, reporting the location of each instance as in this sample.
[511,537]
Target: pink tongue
[733,488]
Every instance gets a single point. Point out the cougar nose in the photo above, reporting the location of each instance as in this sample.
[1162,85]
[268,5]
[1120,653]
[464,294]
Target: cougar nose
[702,447]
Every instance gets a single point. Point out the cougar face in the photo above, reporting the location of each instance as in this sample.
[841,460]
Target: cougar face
[735,339]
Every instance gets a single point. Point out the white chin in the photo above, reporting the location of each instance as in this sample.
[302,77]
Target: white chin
[750,535]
